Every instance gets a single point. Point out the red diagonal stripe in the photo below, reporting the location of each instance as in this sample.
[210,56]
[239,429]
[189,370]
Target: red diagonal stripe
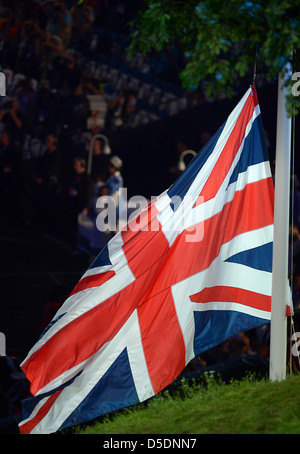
[228,153]
[233,294]
[27,427]
[94,280]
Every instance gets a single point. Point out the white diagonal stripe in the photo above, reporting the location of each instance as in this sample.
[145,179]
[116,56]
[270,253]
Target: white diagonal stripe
[128,337]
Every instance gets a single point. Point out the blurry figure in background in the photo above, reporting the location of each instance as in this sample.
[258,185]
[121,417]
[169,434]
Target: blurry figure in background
[48,182]
[66,73]
[89,85]
[49,167]
[129,108]
[51,47]
[261,341]
[8,177]
[100,147]
[114,185]
[28,59]
[99,172]
[83,17]
[184,157]
[9,35]
[80,188]
[101,157]
[236,346]
[180,146]
[76,198]
[26,96]
[120,109]
[13,119]
[59,21]
[185,154]
[115,180]
[99,189]
[46,109]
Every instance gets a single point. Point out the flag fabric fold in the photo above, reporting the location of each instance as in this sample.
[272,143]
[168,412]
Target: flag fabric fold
[194,268]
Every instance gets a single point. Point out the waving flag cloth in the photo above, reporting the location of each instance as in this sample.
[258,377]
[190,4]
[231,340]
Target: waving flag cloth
[193,269]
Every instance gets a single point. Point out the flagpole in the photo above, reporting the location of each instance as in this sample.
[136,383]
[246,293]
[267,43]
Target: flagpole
[278,339]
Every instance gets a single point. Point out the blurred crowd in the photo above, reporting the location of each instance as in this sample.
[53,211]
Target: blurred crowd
[43,117]
[47,50]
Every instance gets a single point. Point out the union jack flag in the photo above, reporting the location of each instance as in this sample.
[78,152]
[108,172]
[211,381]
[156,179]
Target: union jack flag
[193,270]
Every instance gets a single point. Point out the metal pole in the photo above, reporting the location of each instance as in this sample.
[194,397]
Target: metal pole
[278,340]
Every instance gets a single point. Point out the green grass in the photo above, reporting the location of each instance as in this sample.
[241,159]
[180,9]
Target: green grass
[245,407]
